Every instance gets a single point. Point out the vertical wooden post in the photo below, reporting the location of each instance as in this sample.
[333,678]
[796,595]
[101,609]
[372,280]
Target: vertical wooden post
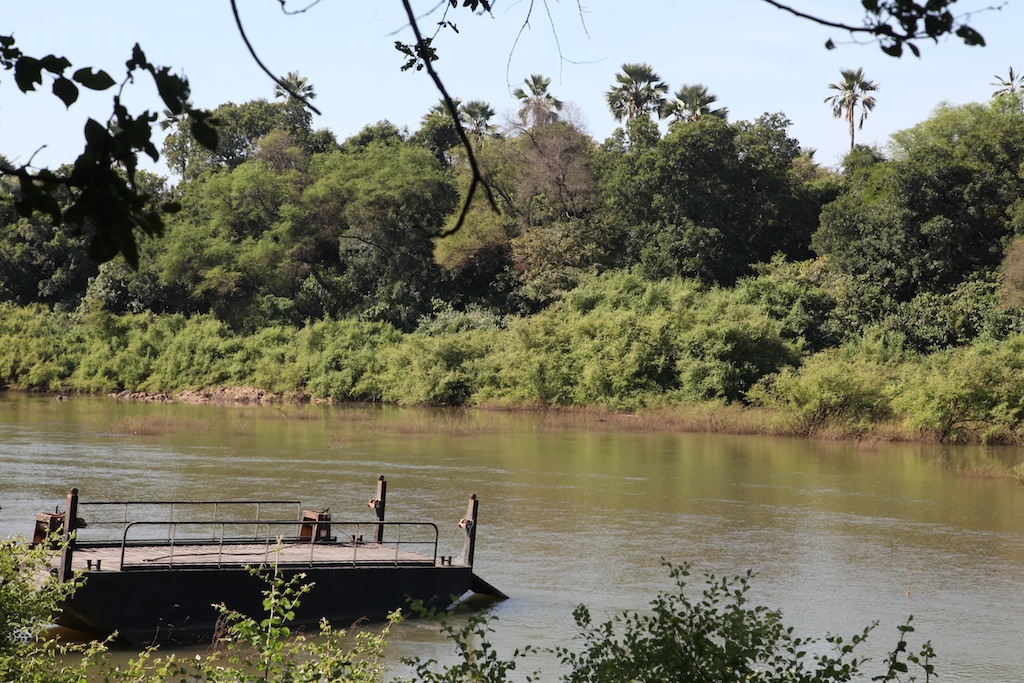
[378,504]
[68,537]
[469,524]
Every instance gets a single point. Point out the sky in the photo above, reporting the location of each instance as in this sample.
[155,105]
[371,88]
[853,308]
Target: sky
[756,58]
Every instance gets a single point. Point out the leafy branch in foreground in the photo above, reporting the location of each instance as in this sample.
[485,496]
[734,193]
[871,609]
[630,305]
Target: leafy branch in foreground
[104,200]
[478,660]
[896,24]
[29,594]
[268,649]
[719,637]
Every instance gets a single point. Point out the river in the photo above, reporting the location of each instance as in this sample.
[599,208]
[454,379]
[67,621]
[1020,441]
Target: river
[838,534]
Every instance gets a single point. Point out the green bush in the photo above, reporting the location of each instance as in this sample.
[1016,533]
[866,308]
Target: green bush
[204,353]
[38,348]
[727,346]
[968,393]
[716,636]
[340,360]
[440,371]
[834,387]
[121,351]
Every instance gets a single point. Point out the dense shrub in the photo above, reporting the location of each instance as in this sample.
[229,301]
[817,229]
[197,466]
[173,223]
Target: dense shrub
[38,348]
[974,392]
[424,370]
[834,387]
[339,360]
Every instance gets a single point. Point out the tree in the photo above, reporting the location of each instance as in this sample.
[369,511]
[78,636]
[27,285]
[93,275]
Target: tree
[294,85]
[103,198]
[693,101]
[1011,87]
[477,115]
[852,92]
[638,92]
[538,105]
[102,180]
[937,213]
[239,126]
[437,131]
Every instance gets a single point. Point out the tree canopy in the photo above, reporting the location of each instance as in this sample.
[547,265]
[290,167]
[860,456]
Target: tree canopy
[108,206]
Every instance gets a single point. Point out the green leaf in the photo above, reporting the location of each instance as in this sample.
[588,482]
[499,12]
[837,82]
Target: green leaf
[54,65]
[138,58]
[103,248]
[94,80]
[173,90]
[893,49]
[204,133]
[96,133]
[28,72]
[970,36]
[65,90]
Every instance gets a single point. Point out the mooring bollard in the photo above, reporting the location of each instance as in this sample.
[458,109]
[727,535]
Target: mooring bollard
[378,504]
[469,524]
[68,537]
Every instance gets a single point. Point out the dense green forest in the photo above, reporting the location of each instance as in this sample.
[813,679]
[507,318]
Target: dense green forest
[686,260]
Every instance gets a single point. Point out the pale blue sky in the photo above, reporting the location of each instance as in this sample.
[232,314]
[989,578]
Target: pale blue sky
[755,58]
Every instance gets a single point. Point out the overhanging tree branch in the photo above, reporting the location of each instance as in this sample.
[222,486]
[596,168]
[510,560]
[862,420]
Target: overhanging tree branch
[897,23]
[423,57]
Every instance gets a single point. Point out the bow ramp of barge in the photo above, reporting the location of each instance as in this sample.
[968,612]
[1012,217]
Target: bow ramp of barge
[154,571]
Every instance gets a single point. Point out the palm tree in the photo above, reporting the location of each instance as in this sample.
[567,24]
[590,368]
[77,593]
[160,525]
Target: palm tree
[638,92]
[296,84]
[476,116]
[1011,85]
[693,101]
[852,92]
[539,106]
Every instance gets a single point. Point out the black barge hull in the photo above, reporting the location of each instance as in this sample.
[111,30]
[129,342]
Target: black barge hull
[149,607]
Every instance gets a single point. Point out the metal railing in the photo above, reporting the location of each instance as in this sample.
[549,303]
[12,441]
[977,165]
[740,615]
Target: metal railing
[281,542]
[124,513]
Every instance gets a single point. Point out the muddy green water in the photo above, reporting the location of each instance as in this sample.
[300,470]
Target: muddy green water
[838,535]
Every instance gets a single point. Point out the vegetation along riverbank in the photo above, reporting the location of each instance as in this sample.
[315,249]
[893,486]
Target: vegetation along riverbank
[712,274]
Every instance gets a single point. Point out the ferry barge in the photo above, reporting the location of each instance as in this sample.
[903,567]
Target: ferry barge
[154,571]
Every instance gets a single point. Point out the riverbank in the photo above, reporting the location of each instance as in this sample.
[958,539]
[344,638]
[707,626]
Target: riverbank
[490,420]
[626,348]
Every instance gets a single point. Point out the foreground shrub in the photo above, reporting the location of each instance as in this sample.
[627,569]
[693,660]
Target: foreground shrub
[717,636]
[26,605]
[714,636]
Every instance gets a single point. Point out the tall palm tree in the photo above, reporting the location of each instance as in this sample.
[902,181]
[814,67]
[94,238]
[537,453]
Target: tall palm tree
[852,92]
[476,116]
[1011,85]
[297,84]
[638,91]
[693,101]
[538,105]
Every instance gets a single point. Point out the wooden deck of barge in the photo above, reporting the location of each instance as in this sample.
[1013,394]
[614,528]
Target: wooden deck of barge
[292,554]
